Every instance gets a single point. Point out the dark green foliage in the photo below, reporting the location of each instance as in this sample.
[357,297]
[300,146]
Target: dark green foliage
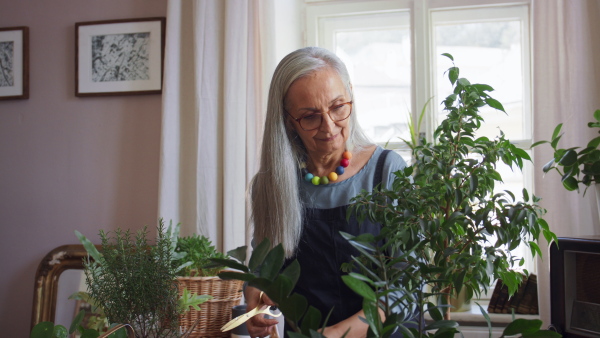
[444,225]
[264,273]
[576,167]
[135,282]
[49,330]
[199,251]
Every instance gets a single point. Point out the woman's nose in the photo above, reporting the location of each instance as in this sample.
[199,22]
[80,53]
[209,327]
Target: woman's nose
[327,123]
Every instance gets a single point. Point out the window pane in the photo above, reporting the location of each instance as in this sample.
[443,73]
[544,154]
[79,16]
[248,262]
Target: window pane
[490,53]
[378,61]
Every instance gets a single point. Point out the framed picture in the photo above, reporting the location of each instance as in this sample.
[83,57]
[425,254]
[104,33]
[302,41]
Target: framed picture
[119,57]
[14,63]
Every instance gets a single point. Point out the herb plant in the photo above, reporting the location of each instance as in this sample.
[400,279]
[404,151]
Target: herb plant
[134,282]
[197,251]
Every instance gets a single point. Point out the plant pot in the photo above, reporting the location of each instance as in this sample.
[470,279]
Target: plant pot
[460,303]
[213,313]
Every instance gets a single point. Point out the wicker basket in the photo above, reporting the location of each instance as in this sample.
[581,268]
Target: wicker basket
[214,313]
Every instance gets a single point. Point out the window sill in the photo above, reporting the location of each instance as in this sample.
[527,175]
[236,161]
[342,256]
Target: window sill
[474,317]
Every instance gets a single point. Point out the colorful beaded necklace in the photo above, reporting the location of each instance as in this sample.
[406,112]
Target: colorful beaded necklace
[332,177]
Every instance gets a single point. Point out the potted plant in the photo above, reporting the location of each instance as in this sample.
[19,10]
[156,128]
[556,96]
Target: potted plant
[444,226]
[577,167]
[198,274]
[133,281]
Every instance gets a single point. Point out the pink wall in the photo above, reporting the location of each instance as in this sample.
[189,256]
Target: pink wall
[68,163]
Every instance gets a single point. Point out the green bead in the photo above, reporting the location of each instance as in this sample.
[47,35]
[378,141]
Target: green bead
[315,180]
[324,180]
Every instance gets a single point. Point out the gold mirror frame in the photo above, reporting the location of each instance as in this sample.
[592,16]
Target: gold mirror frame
[62,258]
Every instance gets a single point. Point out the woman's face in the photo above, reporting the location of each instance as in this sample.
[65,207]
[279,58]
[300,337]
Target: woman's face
[317,93]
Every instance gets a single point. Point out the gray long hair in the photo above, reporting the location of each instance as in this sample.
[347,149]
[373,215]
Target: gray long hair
[277,208]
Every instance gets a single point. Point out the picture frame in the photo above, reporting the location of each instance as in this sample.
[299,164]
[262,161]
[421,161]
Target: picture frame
[119,57]
[14,63]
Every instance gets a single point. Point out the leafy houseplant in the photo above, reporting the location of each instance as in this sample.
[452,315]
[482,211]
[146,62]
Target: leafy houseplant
[134,282]
[444,225]
[198,252]
[197,273]
[575,167]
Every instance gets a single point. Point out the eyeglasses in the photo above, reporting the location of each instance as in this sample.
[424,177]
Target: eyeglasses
[311,121]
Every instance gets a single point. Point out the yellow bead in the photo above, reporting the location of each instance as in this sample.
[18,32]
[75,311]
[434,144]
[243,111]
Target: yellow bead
[333,176]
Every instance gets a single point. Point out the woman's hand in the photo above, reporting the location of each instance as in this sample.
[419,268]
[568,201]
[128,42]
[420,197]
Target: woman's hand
[258,326]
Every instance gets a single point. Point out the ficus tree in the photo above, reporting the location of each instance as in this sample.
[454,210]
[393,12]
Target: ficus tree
[444,225]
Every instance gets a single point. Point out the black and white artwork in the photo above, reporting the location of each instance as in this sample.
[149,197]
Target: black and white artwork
[14,63]
[119,57]
[7,55]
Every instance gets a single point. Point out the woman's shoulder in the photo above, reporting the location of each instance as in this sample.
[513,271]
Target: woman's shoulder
[393,160]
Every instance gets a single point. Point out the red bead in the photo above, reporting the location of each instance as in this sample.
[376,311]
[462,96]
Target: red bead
[345,162]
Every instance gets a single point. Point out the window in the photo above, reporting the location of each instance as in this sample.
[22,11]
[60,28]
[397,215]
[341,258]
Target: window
[393,53]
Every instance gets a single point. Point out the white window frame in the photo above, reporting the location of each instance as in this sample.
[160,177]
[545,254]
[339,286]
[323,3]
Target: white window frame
[422,15]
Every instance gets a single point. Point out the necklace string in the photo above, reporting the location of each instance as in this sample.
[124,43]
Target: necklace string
[332,177]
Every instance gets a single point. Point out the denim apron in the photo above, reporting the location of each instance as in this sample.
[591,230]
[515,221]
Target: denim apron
[321,252]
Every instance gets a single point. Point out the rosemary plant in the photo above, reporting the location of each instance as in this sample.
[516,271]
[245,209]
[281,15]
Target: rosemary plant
[135,282]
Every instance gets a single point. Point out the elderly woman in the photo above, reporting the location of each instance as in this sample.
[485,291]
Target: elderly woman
[314,159]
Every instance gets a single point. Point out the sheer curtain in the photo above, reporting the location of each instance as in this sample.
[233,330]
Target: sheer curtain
[566,73]
[212,114]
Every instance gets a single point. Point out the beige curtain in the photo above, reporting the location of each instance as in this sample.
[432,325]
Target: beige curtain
[212,115]
[566,75]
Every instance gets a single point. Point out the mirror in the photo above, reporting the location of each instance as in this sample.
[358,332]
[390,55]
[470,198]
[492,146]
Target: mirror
[67,259]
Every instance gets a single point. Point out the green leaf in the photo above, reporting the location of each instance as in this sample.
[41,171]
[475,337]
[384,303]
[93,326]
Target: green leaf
[570,183]
[238,253]
[434,312]
[538,143]
[548,166]
[494,104]
[522,153]
[360,287]
[453,74]
[273,263]
[258,254]
[311,319]
[569,158]
[486,316]
[372,315]
[294,307]
[597,115]
[594,143]
[42,330]
[522,326]
[89,247]
[280,289]
[292,272]
[76,321]
[525,195]
[60,332]
[463,82]
[556,131]
[473,184]
[90,333]
[542,334]
[227,275]
[535,249]
[230,263]
[449,56]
